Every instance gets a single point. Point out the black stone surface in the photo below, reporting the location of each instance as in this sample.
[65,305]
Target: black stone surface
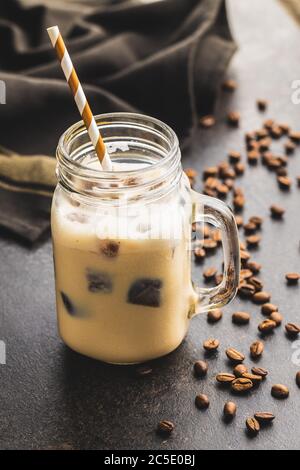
[52,397]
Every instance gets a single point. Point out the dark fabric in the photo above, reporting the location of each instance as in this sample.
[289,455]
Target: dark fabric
[165,59]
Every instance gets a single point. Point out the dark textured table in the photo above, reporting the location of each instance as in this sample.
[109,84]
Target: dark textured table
[52,397]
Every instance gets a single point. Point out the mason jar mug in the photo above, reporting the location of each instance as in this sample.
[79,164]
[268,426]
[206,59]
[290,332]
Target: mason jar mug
[122,242]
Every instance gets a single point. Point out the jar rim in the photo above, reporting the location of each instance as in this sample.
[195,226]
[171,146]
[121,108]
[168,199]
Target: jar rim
[125,118]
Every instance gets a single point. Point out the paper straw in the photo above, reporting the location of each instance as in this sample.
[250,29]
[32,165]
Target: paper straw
[79,96]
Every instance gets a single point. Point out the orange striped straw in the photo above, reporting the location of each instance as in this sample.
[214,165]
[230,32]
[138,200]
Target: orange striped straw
[80,98]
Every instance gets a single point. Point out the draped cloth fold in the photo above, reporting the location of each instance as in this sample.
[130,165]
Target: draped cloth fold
[164,58]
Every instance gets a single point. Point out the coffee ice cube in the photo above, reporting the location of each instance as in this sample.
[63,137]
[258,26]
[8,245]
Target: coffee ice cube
[69,306]
[145,292]
[99,282]
[109,248]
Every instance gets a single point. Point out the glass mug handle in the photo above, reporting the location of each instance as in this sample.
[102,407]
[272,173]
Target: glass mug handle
[213,211]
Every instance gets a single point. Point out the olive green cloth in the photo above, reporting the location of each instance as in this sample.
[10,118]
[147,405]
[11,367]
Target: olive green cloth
[164,58]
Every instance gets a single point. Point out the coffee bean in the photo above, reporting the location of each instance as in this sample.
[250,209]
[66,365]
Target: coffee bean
[285,128]
[225,378]
[239,220]
[143,370]
[229,410]
[253,157]
[214,315]
[229,183]
[253,426]
[200,368]
[165,428]
[261,297]
[269,123]
[234,156]
[253,240]
[245,274]
[211,344]
[210,192]
[295,136]
[264,144]
[261,134]
[258,285]
[273,163]
[280,391]
[267,309]
[284,182]
[233,118]
[222,168]
[211,182]
[234,355]
[222,190]
[209,273]
[252,145]
[241,385]
[256,349]
[276,317]
[266,158]
[283,160]
[298,379]
[229,85]
[209,244]
[292,278]
[254,266]
[246,290]
[211,171]
[244,256]
[292,329]
[239,202]
[239,370]
[264,417]
[250,136]
[259,371]
[202,401]
[239,168]
[267,326]
[207,121]
[240,318]
[275,132]
[281,172]
[191,172]
[229,173]
[255,219]
[255,379]
[250,227]
[289,147]
[262,104]
[199,253]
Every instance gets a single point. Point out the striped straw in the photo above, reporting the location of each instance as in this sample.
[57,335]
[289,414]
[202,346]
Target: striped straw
[80,98]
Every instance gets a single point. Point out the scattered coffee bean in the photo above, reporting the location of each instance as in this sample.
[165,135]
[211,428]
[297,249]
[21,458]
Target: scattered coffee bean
[261,134]
[254,266]
[292,278]
[229,85]
[253,240]
[292,329]
[275,132]
[256,349]
[229,410]
[222,168]
[267,309]
[253,426]
[249,136]
[255,219]
[233,118]
[229,183]
[252,145]
[259,371]
[280,391]
[202,401]
[209,273]
[210,192]
[234,355]
[255,379]
[240,318]
[245,274]
[229,173]
[281,171]
[244,256]
[165,428]
[214,315]
[209,244]
[261,297]
[246,291]
[266,326]
[225,378]
[234,156]
[211,344]
[239,220]
[253,157]
[262,104]
[239,168]
[200,368]
[210,172]
[269,123]
[289,147]
[222,190]
[295,136]
[264,144]
[241,385]
[284,182]
[285,128]
[250,227]
[298,379]
[239,370]
[276,317]
[207,121]
[199,253]
[264,417]
[258,285]
[190,173]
